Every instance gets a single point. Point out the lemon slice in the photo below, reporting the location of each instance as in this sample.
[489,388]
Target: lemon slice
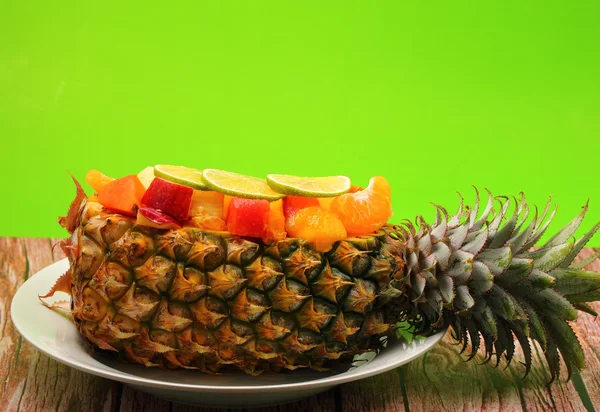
[186,176]
[235,184]
[329,186]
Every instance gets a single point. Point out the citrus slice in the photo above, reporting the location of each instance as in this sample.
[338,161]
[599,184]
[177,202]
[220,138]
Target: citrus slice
[186,176]
[365,211]
[238,185]
[329,186]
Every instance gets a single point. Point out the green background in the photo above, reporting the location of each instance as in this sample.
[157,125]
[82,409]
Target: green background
[437,96]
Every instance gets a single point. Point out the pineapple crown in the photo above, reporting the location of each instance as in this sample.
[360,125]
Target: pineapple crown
[481,276]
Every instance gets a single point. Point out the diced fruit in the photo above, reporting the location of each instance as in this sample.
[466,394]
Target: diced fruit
[148,216]
[122,195]
[186,176]
[248,217]
[207,222]
[238,185]
[207,202]
[226,203]
[329,186]
[367,210]
[292,204]
[146,176]
[325,202]
[170,198]
[276,222]
[206,211]
[318,226]
[97,180]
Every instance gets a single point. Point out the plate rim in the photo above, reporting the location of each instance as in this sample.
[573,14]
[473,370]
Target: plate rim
[131,379]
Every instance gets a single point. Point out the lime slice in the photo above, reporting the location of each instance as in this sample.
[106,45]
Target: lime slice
[235,184]
[186,176]
[309,186]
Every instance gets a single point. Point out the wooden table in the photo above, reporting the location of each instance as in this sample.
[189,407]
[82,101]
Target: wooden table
[439,380]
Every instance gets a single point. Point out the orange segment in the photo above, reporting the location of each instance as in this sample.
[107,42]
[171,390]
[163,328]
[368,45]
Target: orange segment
[325,202]
[318,226]
[276,221]
[292,204]
[97,180]
[365,211]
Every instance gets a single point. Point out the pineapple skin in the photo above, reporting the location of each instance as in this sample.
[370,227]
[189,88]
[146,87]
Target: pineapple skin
[189,298]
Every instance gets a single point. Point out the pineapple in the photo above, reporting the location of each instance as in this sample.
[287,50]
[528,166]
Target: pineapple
[198,299]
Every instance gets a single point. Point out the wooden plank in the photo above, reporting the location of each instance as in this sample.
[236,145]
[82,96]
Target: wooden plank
[32,381]
[588,330]
[442,380]
[13,271]
[384,392]
[133,400]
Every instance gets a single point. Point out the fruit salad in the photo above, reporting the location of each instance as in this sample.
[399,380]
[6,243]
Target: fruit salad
[320,210]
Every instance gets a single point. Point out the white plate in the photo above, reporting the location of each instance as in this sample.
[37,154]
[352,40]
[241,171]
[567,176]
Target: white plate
[58,338]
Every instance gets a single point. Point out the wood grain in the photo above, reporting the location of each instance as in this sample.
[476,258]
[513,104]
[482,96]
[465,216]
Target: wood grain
[384,392]
[588,330]
[439,380]
[33,381]
[134,400]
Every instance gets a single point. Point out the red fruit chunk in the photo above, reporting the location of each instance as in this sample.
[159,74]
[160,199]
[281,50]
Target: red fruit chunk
[170,198]
[155,218]
[292,204]
[122,195]
[248,217]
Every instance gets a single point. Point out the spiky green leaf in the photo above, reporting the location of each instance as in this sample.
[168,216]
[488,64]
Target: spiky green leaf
[584,307]
[463,300]
[476,240]
[506,232]
[548,259]
[567,231]
[487,321]
[457,236]
[498,260]
[580,244]
[502,304]
[549,303]
[517,271]
[446,288]
[567,343]
[536,329]
[584,262]
[575,281]
[481,280]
